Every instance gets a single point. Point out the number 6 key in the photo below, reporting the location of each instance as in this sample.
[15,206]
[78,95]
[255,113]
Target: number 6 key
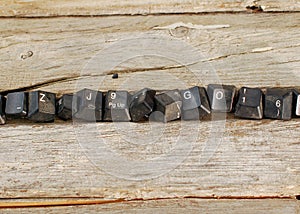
[278,103]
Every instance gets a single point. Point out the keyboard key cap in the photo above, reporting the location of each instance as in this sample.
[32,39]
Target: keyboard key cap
[278,103]
[249,104]
[41,106]
[221,97]
[297,102]
[65,107]
[2,110]
[195,103]
[169,105]
[88,105]
[117,106]
[16,105]
[142,104]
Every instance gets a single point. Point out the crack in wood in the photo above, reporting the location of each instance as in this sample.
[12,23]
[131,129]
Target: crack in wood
[285,62]
[41,84]
[254,51]
[161,68]
[226,56]
[74,77]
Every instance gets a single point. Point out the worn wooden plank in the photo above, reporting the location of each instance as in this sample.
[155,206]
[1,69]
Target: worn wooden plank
[253,50]
[271,206]
[29,8]
[255,158]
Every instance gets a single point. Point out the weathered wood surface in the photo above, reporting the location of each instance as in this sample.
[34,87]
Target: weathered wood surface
[31,8]
[255,158]
[253,50]
[271,206]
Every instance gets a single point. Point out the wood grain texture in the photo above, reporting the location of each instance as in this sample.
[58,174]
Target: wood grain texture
[272,206]
[255,158]
[29,8]
[254,50]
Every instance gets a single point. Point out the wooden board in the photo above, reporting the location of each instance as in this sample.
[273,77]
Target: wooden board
[252,50]
[255,158]
[243,159]
[36,8]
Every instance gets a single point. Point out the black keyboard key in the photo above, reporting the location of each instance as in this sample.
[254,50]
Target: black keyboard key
[297,103]
[278,103]
[16,105]
[168,106]
[64,106]
[221,97]
[88,105]
[2,110]
[41,106]
[195,104]
[117,106]
[249,104]
[142,104]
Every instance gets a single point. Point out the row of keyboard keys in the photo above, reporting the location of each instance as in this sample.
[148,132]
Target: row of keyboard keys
[190,104]
[278,103]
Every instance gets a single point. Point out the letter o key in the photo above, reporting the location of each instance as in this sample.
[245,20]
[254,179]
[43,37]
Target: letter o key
[219,95]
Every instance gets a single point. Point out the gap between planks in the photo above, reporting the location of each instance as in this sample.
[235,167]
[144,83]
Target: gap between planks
[52,202]
[152,14]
